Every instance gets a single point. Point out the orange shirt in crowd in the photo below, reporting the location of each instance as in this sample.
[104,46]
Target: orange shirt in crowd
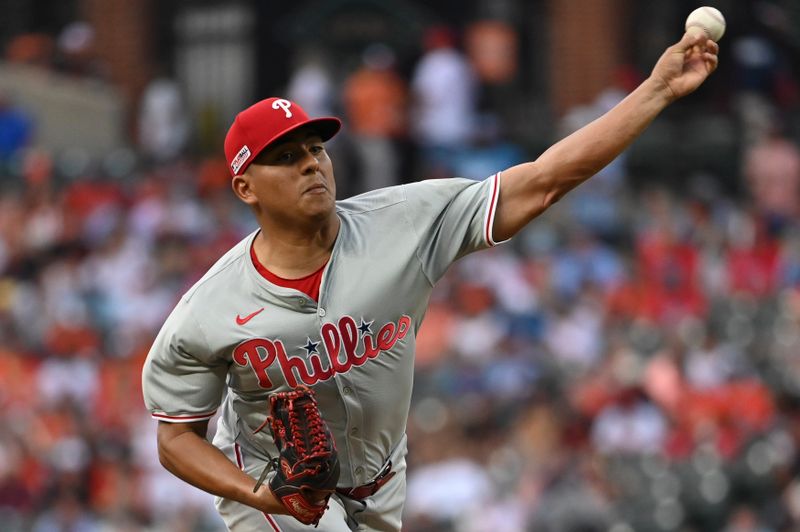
[375,103]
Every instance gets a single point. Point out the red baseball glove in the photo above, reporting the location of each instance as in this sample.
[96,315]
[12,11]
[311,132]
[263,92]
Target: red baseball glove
[308,464]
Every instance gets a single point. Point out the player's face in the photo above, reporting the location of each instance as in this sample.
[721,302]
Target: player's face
[291,178]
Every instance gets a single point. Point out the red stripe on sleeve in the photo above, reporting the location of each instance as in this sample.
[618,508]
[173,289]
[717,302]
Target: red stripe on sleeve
[188,418]
[491,210]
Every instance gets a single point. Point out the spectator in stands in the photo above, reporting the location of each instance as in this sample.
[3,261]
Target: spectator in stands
[444,101]
[163,121]
[375,103]
[31,49]
[311,84]
[16,129]
[76,51]
[772,173]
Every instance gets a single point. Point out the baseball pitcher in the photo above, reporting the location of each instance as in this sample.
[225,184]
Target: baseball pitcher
[302,336]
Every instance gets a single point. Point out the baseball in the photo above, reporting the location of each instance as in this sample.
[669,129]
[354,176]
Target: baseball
[706,20]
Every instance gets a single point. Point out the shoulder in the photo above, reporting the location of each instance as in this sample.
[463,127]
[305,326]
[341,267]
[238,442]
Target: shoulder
[439,191]
[454,184]
[371,201]
[390,196]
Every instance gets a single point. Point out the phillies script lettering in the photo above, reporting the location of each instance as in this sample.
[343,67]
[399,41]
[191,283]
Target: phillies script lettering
[344,347]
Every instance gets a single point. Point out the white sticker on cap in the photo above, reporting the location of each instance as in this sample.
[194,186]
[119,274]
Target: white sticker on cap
[283,104]
[240,159]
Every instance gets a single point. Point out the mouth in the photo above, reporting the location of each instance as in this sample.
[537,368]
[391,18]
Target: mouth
[317,188]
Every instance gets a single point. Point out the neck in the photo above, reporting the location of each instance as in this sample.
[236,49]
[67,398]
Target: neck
[294,252]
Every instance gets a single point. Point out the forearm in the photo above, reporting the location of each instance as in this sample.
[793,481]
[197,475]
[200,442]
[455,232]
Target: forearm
[529,189]
[585,152]
[196,461]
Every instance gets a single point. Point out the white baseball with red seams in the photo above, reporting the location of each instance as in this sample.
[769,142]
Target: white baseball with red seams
[708,20]
[236,331]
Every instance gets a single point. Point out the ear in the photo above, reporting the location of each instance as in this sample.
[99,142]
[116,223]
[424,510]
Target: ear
[241,187]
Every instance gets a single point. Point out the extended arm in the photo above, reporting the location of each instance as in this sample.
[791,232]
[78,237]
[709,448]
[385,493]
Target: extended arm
[184,451]
[529,189]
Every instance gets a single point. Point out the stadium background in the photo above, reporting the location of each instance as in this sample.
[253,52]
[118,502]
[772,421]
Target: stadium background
[628,363]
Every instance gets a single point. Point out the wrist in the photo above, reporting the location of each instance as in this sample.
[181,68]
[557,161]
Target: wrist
[264,500]
[659,89]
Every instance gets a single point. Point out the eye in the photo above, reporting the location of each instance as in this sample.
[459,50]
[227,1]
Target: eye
[286,156]
[317,149]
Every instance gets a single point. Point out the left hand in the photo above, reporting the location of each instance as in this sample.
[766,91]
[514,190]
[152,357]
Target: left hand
[684,66]
[307,463]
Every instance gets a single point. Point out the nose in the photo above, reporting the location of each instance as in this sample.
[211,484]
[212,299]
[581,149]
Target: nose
[309,162]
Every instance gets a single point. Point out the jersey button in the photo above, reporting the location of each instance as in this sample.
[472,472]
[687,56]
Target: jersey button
[321,312]
[347,390]
[359,470]
[354,431]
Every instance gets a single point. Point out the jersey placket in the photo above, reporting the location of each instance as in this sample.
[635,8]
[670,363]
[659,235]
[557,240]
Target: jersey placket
[356,452]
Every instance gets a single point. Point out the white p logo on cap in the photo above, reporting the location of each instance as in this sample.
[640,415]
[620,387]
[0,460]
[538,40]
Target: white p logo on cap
[283,104]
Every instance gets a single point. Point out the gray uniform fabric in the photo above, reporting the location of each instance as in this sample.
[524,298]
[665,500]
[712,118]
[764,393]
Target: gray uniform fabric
[234,338]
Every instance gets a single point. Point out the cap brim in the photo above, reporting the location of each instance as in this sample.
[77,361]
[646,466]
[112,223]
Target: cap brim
[326,126]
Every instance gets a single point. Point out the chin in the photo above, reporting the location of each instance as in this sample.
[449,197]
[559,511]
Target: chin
[321,210]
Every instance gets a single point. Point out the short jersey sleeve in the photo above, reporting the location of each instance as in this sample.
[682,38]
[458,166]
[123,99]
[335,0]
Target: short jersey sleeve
[182,380]
[452,217]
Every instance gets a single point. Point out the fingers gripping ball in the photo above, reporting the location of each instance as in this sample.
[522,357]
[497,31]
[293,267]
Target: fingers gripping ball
[707,20]
[308,464]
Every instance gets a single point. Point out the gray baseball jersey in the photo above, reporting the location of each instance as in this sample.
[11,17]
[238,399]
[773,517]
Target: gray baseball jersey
[236,332]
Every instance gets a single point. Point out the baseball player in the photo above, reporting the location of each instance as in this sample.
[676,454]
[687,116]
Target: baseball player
[328,296]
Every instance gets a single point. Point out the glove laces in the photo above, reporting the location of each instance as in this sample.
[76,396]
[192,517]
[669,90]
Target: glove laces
[314,429]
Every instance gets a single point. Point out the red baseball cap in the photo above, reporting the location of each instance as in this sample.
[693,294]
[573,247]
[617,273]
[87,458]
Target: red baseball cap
[263,123]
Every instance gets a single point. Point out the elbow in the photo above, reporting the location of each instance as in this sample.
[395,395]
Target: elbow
[163,455]
[171,438]
[564,183]
[552,197]
[165,445]
[166,457]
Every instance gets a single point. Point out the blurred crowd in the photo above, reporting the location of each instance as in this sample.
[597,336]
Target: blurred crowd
[629,362]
